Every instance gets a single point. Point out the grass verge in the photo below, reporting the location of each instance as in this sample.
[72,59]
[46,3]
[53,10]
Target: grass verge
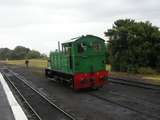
[37,63]
[151,78]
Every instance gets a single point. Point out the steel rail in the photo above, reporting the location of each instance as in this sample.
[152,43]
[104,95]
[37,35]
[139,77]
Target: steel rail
[43,96]
[16,89]
[124,106]
[134,83]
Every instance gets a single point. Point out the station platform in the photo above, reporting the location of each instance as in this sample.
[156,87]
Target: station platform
[9,108]
[5,109]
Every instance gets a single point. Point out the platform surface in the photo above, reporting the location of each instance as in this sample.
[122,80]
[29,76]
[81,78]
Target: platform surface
[5,109]
[9,107]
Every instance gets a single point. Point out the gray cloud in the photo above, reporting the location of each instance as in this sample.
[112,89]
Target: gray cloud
[29,22]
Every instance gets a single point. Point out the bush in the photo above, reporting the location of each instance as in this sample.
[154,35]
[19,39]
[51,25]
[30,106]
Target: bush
[147,70]
[132,69]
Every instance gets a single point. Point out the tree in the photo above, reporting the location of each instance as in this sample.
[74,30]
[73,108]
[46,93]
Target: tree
[44,56]
[5,53]
[133,45]
[33,54]
[20,52]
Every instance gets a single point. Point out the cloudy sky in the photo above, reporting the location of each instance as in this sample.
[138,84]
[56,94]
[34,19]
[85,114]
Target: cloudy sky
[39,24]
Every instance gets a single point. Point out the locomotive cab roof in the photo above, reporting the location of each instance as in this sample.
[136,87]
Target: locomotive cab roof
[79,38]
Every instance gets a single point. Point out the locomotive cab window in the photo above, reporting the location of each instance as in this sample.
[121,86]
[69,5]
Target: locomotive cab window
[97,47]
[66,50]
[81,48]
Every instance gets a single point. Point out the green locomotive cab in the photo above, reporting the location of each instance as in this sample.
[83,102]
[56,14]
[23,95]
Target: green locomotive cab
[81,60]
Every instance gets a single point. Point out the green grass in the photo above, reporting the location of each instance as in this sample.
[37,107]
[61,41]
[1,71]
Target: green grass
[38,63]
[36,66]
[151,78]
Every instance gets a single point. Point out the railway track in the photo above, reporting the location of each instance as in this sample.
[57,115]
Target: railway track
[126,105]
[40,105]
[134,83]
[147,114]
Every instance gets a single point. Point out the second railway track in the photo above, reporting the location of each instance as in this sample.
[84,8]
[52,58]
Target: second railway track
[131,105]
[134,83]
[42,107]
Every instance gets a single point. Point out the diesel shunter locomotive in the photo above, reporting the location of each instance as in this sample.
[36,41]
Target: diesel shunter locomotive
[79,63]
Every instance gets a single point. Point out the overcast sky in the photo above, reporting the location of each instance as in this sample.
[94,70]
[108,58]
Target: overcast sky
[39,24]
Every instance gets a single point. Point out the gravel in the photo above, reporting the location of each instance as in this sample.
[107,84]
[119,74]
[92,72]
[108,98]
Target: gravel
[84,106]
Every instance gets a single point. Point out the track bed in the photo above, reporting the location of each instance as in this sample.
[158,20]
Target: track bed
[42,107]
[123,103]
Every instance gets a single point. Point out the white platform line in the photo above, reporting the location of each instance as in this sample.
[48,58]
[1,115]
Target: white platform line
[16,108]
